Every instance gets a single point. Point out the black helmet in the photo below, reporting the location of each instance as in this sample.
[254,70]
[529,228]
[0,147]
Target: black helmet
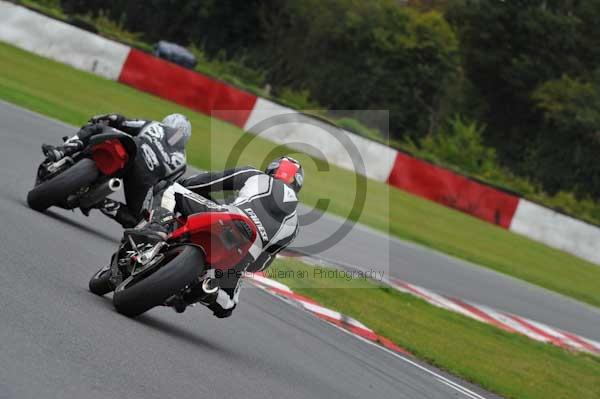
[288,170]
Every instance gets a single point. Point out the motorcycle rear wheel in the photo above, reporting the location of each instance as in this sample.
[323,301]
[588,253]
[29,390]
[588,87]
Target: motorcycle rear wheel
[183,265]
[56,190]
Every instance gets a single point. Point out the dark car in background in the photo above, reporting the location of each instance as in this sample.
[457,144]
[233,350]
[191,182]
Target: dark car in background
[175,53]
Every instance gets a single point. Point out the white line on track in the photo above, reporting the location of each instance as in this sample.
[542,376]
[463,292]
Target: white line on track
[465,391]
[438,377]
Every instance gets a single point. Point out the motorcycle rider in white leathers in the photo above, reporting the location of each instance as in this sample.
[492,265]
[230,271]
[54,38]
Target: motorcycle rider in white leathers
[268,198]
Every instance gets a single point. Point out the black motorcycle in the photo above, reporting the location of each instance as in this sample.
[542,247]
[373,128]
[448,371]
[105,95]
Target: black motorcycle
[84,178]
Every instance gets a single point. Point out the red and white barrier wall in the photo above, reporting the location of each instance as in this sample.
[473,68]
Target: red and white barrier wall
[320,139]
[453,190]
[557,230]
[61,42]
[185,87]
[68,44]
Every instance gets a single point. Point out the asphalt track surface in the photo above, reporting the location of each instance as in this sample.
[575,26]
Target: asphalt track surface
[57,340]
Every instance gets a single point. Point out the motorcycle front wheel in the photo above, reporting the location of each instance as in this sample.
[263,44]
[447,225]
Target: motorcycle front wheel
[56,190]
[100,282]
[180,267]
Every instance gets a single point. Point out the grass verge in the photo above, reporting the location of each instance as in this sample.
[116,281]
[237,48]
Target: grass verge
[72,96]
[511,365]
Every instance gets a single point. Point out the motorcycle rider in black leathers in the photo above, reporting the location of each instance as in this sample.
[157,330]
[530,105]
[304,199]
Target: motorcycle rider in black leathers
[160,153]
[269,199]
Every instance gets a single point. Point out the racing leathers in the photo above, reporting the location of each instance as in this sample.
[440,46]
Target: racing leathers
[160,153]
[268,202]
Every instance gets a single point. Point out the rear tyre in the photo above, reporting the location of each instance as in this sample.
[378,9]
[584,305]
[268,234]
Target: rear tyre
[182,266]
[56,190]
[100,282]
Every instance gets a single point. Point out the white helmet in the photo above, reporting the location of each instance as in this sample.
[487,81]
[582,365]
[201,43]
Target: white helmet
[182,126]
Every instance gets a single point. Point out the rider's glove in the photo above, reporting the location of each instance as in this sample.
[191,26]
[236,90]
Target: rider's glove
[109,119]
[52,153]
[55,154]
[72,146]
[88,131]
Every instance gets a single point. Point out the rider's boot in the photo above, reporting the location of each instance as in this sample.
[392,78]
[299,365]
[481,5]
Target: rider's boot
[109,207]
[203,293]
[151,233]
[118,212]
[156,230]
[206,292]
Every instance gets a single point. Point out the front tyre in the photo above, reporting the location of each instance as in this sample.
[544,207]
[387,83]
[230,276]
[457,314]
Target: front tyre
[100,282]
[138,294]
[56,190]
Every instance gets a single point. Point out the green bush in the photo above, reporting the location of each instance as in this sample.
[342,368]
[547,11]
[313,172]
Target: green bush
[49,7]
[49,4]
[461,144]
[568,203]
[357,127]
[115,30]
[567,157]
[298,99]
[231,70]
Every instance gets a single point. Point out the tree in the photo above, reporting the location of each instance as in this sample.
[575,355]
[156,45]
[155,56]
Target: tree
[516,54]
[569,143]
[352,54]
[225,25]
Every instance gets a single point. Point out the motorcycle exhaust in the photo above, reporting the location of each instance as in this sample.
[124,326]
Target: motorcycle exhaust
[210,286]
[115,184]
[99,193]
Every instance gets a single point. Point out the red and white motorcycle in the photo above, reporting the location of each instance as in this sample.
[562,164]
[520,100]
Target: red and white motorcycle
[170,272]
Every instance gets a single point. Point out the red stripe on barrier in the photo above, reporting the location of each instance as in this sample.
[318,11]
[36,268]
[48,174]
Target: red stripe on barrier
[186,87]
[453,190]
